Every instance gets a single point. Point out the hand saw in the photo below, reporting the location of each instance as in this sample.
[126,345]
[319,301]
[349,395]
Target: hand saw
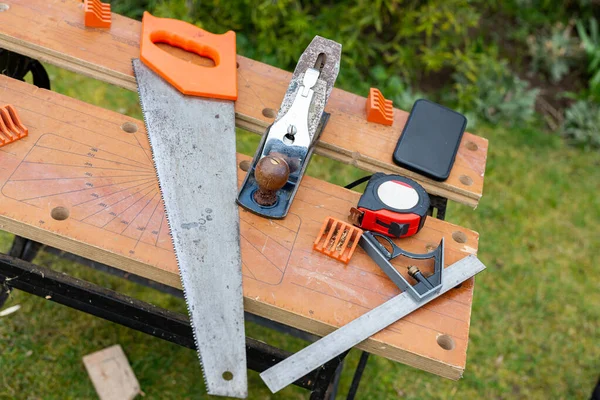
[285,149]
[193,147]
[351,334]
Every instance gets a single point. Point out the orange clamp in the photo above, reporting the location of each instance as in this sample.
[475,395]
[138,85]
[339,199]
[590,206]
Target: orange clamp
[218,82]
[379,110]
[97,14]
[11,128]
[337,239]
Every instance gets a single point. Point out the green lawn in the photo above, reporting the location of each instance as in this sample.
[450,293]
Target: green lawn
[535,326]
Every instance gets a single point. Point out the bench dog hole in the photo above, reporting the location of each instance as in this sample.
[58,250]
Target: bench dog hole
[269,113]
[129,127]
[59,213]
[459,237]
[245,165]
[465,180]
[446,342]
[471,146]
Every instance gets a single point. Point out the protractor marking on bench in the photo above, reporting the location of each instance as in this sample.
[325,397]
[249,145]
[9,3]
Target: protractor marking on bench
[112,187]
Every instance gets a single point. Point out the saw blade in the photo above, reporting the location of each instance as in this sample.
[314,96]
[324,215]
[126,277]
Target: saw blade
[193,147]
[351,334]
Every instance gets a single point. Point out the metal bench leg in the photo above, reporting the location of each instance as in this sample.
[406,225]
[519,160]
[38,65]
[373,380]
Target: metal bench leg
[438,204]
[362,363]
[144,317]
[596,392]
[325,383]
[17,66]
[24,249]
[4,293]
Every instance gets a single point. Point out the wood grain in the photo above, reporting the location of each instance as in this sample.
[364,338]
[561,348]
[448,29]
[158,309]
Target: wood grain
[87,163]
[111,374]
[53,31]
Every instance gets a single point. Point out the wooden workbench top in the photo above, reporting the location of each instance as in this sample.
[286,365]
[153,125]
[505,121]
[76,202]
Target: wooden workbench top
[53,31]
[83,181]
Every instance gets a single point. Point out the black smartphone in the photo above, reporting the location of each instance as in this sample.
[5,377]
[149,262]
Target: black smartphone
[430,139]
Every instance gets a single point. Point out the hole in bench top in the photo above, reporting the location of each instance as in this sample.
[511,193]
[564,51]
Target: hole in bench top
[471,146]
[446,342]
[245,165]
[269,113]
[459,237]
[60,213]
[129,127]
[465,180]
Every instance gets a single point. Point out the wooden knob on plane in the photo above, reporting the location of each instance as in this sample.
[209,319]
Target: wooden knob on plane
[271,174]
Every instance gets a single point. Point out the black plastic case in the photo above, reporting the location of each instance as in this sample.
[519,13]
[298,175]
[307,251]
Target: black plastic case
[430,140]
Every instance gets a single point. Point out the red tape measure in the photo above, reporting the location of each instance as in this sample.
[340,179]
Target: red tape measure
[392,205]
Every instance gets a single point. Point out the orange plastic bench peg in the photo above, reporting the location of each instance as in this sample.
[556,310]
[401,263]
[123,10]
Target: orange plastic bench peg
[218,82]
[337,239]
[97,14]
[11,128]
[379,110]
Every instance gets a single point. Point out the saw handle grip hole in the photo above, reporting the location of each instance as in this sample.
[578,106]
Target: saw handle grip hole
[201,57]
[446,342]
[459,237]
[227,375]
[269,113]
[129,127]
[59,213]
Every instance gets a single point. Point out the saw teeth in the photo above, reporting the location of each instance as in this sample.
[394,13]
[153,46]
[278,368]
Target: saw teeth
[172,241]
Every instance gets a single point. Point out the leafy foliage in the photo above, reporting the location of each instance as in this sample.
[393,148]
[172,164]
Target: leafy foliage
[488,88]
[553,54]
[582,124]
[398,45]
[533,15]
[405,38]
[590,41]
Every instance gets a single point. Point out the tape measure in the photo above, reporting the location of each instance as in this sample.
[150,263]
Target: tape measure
[392,205]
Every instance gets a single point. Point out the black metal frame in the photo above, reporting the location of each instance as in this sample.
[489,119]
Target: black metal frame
[17,272]
[18,66]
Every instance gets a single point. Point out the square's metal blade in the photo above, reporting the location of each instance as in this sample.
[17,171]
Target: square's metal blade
[193,147]
[318,353]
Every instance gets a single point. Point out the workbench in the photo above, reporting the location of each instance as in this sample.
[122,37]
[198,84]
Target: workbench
[83,182]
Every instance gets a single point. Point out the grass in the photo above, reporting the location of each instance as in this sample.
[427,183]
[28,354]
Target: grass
[535,322]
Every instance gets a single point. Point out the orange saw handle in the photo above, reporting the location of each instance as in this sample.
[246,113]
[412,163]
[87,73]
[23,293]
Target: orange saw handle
[218,82]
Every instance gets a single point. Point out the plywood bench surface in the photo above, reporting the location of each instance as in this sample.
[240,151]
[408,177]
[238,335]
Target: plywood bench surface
[83,181]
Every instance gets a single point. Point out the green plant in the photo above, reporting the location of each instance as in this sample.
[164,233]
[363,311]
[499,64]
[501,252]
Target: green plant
[488,88]
[553,54]
[392,87]
[582,124]
[591,44]
[408,38]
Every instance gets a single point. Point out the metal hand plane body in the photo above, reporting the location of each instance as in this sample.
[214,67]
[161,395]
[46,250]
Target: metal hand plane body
[292,128]
[287,145]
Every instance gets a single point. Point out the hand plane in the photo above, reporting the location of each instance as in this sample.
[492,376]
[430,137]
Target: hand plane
[286,147]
